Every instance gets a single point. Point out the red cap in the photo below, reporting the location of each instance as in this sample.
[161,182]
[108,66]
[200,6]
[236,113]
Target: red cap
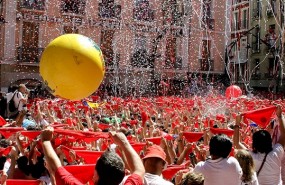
[155,151]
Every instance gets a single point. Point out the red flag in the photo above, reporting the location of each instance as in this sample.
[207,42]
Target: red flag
[168,173]
[89,157]
[103,126]
[22,182]
[192,136]
[2,121]
[262,117]
[31,134]
[154,140]
[5,151]
[84,173]
[138,146]
[8,131]
[222,131]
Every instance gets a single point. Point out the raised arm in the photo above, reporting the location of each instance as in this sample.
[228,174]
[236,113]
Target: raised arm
[133,159]
[50,155]
[281,125]
[237,143]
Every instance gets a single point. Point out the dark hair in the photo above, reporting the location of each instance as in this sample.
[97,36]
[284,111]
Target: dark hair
[262,142]
[220,146]
[2,162]
[23,165]
[110,163]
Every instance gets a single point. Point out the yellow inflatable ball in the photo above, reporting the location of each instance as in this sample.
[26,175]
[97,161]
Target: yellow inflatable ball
[72,66]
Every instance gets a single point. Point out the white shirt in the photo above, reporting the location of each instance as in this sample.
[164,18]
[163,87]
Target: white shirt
[222,171]
[271,171]
[254,180]
[150,179]
[18,96]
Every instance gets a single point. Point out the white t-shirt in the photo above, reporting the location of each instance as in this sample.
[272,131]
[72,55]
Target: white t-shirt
[151,179]
[271,171]
[18,96]
[222,171]
[254,180]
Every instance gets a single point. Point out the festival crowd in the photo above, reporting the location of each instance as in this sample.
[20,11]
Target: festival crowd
[211,140]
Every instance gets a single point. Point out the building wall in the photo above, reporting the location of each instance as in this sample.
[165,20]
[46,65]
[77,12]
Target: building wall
[51,23]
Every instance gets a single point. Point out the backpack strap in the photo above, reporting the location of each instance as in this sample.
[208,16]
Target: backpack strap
[264,159]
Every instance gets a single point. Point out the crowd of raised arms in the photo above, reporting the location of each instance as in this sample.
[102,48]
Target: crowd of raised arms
[209,140]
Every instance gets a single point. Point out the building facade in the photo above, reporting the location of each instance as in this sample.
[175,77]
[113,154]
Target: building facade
[144,42]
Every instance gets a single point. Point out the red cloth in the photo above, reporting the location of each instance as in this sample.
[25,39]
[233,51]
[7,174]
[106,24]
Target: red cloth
[22,182]
[138,146]
[84,173]
[66,151]
[262,117]
[134,179]
[103,126]
[222,131]
[192,136]
[31,134]
[5,151]
[154,140]
[168,173]
[144,118]
[2,121]
[8,131]
[134,122]
[89,157]
[63,177]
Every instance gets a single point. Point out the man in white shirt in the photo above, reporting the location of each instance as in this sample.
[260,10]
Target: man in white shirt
[220,169]
[154,162]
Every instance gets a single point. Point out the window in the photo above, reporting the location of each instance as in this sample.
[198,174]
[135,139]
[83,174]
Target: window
[73,6]
[140,56]
[1,7]
[142,11]
[271,8]
[107,47]
[244,20]
[256,41]
[271,37]
[207,20]
[70,29]
[29,51]
[170,53]
[257,67]
[272,67]
[235,26]
[173,12]
[108,9]
[205,61]
[33,4]
[257,9]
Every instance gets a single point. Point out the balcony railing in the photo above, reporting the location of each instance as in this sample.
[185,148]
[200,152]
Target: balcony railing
[33,5]
[29,54]
[256,77]
[206,64]
[208,23]
[109,11]
[268,75]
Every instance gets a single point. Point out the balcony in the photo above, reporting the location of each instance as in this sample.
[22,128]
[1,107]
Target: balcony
[206,64]
[208,23]
[107,11]
[268,75]
[33,5]
[29,54]
[243,24]
[143,14]
[256,77]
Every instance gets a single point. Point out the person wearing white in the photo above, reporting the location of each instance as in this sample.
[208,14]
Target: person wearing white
[220,169]
[20,98]
[267,159]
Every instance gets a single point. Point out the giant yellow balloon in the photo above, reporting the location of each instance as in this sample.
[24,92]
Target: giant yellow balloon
[72,66]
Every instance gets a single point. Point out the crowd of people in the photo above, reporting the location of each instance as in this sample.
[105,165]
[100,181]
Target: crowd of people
[211,140]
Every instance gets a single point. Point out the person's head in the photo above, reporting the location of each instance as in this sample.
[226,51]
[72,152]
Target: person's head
[109,163]
[23,164]
[262,142]
[22,88]
[220,146]
[246,162]
[154,160]
[191,178]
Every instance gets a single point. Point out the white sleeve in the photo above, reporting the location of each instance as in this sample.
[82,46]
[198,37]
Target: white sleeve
[199,168]
[278,150]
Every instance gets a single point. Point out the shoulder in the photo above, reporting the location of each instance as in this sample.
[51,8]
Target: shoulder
[134,179]
[278,151]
